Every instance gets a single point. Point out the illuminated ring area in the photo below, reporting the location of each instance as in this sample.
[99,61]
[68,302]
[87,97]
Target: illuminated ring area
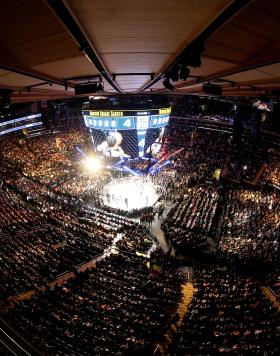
[130,193]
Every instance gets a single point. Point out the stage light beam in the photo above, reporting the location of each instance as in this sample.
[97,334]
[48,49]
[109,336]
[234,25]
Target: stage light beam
[92,164]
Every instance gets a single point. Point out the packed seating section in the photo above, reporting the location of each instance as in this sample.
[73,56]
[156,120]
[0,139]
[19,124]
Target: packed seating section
[189,221]
[123,305]
[228,315]
[119,307]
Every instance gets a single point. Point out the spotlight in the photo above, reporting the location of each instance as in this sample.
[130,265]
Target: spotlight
[184,72]
[99,87]
[245,167]
[193,56]
[167,84]
[212,89]
[174,74]
[194,60]
[92,164]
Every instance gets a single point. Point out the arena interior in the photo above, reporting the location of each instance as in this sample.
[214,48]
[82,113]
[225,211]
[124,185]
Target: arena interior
[139,177]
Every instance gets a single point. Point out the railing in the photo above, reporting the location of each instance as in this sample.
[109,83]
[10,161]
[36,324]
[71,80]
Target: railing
[157,350]
[13,343]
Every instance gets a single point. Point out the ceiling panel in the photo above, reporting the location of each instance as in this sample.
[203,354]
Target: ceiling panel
[131,82]
[251,36]
[253,75]
[15,80]
[142,36]
[273,69]
[68,68]
[51,88]
[210,66]
[138,37]
[134,62]
[34,35]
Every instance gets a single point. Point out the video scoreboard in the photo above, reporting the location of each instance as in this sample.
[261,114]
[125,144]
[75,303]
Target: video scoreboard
[139,123]
[126,119]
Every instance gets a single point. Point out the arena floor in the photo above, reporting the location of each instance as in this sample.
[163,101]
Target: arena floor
[130,193]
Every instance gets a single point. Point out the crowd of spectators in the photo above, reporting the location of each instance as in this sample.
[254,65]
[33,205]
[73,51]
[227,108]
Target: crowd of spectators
[47,159]
[37,245]
[52,218]
[135,240]
[271,173]
[205,151]
[121,307]
[189,221]
[250,231]
[227,315]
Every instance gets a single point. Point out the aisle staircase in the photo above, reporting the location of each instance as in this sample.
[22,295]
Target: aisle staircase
[187,294]
[271,297]
[255,180]
[259,174]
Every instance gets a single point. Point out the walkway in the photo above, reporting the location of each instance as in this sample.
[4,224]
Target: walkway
[61,278]
[156,228]
[187,294]
[255,180]
[271,297]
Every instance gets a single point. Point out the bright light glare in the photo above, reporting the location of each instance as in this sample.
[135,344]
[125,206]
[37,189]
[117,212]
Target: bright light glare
[92,164]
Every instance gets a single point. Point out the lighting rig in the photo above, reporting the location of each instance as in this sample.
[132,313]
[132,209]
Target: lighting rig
[90,87]
[180,70]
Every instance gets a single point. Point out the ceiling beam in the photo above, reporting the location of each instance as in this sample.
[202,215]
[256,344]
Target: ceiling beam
[19,69]
[66,17]
[231,10]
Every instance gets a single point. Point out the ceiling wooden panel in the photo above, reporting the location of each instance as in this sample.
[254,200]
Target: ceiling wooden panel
[210,66]
[15,80]
[133,62]
[142,36]
[250,75]
[47,88]
[34,34]
[68,68]
[132,82]
[138,37]
[252,35]
[273,69]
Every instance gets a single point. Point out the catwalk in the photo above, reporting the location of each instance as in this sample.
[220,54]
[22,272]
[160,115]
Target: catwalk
[130,193]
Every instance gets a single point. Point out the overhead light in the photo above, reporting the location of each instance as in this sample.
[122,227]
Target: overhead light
[212,89]
[184,72]
[167,84]
[100,87]
[85,88]
[193,56]
[174,74]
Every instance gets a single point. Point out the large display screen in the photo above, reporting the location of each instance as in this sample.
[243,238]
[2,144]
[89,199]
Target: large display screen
[126,119]
[134,125]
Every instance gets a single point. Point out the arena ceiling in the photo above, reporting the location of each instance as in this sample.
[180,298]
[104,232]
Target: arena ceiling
[48,46]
